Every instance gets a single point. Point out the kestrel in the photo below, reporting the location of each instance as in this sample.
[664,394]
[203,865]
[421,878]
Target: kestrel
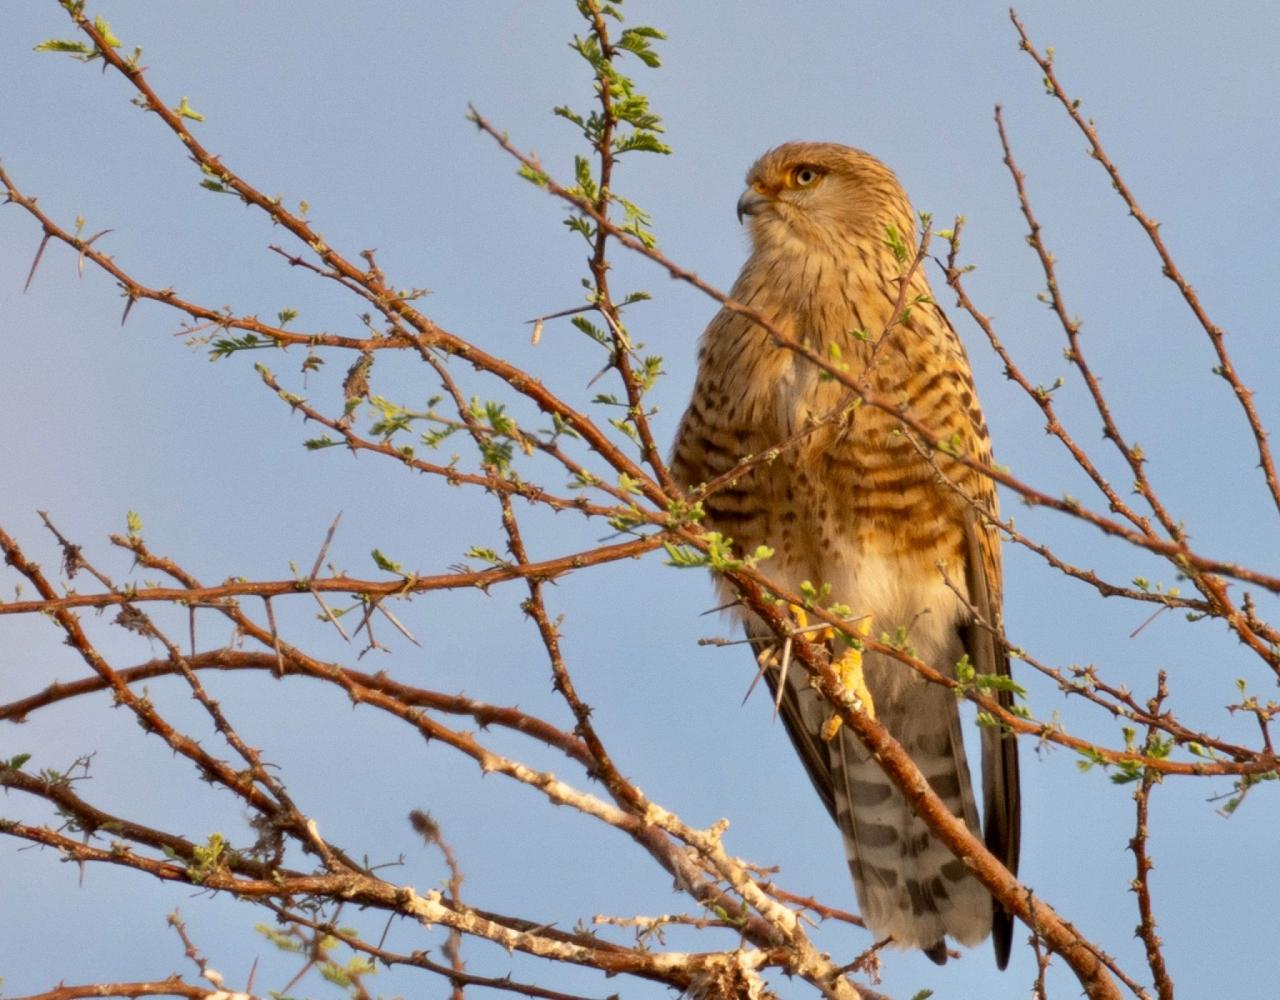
[852,501]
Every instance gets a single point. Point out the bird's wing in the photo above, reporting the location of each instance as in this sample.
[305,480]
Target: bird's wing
[1001,798]
[804,733]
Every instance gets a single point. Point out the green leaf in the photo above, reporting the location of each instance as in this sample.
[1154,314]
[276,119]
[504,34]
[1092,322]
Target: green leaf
[15,763]
[591,330]
[185,110]
[636,41]
[894,241]
[104,29]
[133,522]
[384,563]
[485,555]
[999,682]
[69,45]
[226,346]
[683,556]
[568,114]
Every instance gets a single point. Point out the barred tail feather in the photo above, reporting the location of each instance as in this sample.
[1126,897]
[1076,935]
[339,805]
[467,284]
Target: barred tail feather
[909,885]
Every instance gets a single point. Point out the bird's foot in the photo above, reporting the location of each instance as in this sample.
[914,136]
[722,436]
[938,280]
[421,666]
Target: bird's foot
[854,681]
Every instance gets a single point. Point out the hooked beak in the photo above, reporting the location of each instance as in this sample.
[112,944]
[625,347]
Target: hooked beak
[751,202]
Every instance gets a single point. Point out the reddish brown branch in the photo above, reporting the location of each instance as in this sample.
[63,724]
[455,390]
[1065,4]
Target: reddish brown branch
[548,569]
[1139,845]
[171,987]
[1226,369]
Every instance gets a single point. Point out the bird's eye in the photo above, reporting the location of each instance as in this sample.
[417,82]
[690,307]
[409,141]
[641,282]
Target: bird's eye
[804,176]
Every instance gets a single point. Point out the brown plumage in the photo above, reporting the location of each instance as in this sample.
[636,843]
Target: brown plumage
[855,505]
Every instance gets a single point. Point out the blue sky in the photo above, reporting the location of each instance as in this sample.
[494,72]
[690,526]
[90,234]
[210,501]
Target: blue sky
[359,110]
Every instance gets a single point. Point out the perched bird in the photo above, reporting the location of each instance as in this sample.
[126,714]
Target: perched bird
[851,501]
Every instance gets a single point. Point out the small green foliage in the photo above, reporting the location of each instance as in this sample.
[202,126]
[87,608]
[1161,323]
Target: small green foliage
[835,355]
[680,513]
[923,995]
[224,347]
[586,186]
[14,763]
[320,443]
[286,316]
[104,29]
[626,521]
[899,640]
[569,115]
[133,523]
[393,418]
[953,445]
[185,110]
[999,682]
[625,425]
[623,123]
[1243,786]
[894,241]
[718,556]
[683,556]
[484,555]
[636,222]
[627,484]
[346,975]
[649,372]
[383,563]
[591,330]
[636,40]
[434,438]
[208,858]
[496,450]
[1090,758]
[71,46]
[811,594]
[281,940]
[538,177]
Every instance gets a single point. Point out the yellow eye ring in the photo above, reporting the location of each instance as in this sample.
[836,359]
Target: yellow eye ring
[804,176]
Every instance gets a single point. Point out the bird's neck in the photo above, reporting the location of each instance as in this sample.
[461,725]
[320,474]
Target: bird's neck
[821,293]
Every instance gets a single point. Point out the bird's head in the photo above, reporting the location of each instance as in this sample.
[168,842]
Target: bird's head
[819,193]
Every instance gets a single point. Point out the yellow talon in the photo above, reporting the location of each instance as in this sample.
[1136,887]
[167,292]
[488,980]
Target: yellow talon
[849,668]
[802,624]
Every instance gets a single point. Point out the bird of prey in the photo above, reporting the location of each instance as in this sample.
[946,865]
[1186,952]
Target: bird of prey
[849,499]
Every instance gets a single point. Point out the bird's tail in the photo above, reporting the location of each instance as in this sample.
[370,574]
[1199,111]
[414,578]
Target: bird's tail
[909,885]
